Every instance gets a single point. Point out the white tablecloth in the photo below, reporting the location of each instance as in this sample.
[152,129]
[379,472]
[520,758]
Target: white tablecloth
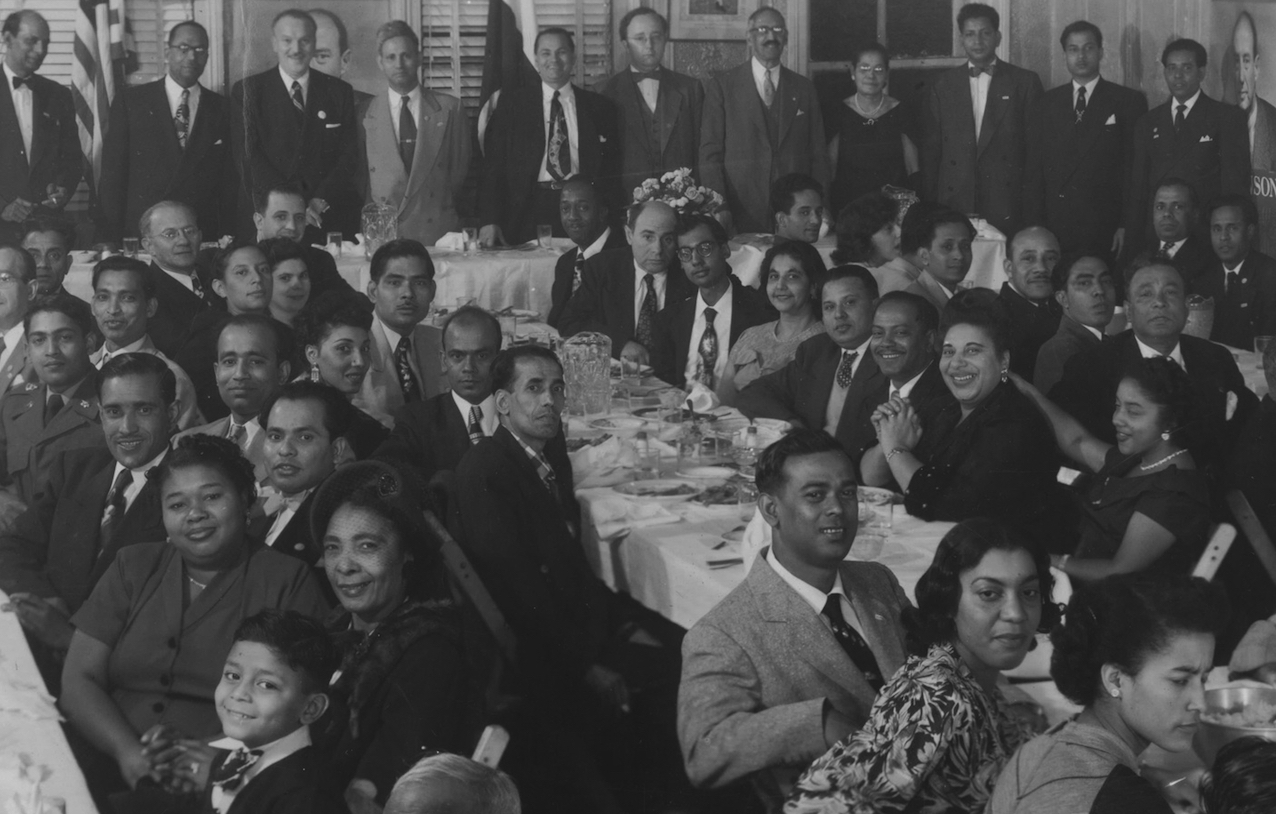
[43,740]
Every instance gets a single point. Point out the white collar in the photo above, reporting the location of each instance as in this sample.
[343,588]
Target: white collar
[304,80]
[760,71]
[1191,103]
[719,305]
[272,752]
[139,474]
[490,419]
[908,386]
[597,246]
[9,75]
[642,273]
[1089,88]
[1148,352]
[861,350]
[992,64]
[1174,247]
[1097,333]
[1238,267]
[132,347]
[396,98]
[174,90]
[391,335]
[809,593]
[565,93]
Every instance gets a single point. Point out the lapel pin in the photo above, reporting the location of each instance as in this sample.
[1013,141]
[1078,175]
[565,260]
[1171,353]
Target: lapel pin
[323,115]
[84,404]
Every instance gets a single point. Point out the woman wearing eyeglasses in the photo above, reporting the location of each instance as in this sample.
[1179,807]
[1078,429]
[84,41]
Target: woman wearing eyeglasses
[870,147]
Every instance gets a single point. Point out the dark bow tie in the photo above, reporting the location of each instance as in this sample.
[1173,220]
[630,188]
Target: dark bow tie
[975,70]
[19,81]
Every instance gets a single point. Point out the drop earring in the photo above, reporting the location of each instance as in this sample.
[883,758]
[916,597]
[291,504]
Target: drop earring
[1165,436]
[1005,376]
[314,371]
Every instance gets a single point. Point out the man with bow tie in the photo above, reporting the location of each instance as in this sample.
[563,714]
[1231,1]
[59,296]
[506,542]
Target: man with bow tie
[40,158]
[1242,280]
[659,109]
[975,146]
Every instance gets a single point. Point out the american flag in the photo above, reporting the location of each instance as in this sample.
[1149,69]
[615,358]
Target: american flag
[99,42]
[509,55]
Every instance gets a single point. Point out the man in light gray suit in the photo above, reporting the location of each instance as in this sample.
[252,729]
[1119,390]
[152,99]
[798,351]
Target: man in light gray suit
[416,162]
[790,661]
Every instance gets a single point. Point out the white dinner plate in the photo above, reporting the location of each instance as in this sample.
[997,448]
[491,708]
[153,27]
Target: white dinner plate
[707,472]
[618,421]
[671,491]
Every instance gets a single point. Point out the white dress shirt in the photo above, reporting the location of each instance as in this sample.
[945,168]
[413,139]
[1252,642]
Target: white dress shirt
[285,515]
[566,98]
[304,79]
[649,86]
[979,95]
[174,92]
[1174,247]
[396,105]
[24,106]
[905,389]
[1148,352]
[12,338]
[139,478]
[490,420]
[101,356]
[721,327]
[837,396]
[597,246]
[1191,103]
[251,429]
[640,289]
[759,76]
[184,279]
[1227,274]
[814,596]
[1089,91]
[271,754]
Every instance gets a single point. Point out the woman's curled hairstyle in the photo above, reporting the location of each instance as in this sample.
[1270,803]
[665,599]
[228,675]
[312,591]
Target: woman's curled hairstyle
[1166,384]
[1125,619]
[221,454]
[939,590]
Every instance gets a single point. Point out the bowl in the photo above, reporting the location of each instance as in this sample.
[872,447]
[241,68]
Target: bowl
[1212,735]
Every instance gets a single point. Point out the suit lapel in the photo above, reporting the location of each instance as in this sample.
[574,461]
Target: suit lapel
[787,103]
[1098,108]
[669,102]
[431,127]
[747,91]
[586,133]
[994,107]
[199,139]
[876,620]
[41,135]
[134,523]
[865,384]
[156,102]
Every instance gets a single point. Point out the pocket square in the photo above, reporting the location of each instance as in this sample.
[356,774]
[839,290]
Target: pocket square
[800,112]
[1206,137]
[332,125]
[1005,98]
[1111,119]
[215,143]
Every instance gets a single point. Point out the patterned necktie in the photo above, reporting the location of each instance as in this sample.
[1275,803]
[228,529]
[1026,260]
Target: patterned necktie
[407,379]
[647,313]
[708,349]
[55,405]
[183,118]
[558,156]
[579,270]
[1165,249]
[197,288]
[844,370]
[407,135]
[1080,103]
[238,433]
[115,508]
[975,70]
[768,89]
[1180,116]
[230,775]
[1232,277]
[853,643]
[297,101]
[476,424]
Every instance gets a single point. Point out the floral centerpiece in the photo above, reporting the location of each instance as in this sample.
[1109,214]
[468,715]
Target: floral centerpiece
[679,189]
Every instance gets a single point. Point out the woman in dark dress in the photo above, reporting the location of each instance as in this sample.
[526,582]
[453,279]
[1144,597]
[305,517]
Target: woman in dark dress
[870,147]
[334,330]
[1149,506]
[404,687]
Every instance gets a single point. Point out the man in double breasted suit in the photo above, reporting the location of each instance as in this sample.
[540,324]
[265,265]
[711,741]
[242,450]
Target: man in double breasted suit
[975,147]
[416,163]
[537,139]
[97,500]
[659,110]
[40,158]
[1080,142]
[761,121]
[1242,280]
[790,661]
[1191,136]
[833,382]
[292,124]
[170,140]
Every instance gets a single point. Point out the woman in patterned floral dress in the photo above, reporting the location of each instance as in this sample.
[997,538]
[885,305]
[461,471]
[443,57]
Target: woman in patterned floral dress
[940,730]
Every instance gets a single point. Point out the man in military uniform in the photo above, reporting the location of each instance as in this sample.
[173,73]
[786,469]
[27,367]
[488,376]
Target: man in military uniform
[40,421]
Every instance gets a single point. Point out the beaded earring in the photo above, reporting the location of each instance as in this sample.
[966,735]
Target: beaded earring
[314,371]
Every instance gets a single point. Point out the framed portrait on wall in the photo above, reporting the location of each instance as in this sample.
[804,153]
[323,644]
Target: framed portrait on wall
[710,19]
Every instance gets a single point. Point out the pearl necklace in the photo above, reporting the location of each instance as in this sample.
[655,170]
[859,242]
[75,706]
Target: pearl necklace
[1170,457]
[870,117]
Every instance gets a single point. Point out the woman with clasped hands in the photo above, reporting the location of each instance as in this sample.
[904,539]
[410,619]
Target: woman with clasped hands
[150,641]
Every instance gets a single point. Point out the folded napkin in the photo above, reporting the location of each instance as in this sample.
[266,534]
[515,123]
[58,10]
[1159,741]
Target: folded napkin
[615,517]
[24,698]
[607,464]
[703,400]
[452,240]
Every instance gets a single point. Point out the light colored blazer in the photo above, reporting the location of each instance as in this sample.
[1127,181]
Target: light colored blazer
[757,669]
[256,452]
[426,198]
[381,395]
[16,368]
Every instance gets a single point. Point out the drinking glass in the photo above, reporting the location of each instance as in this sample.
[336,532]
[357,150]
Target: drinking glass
[671,402]
[747,499]
[509,328]
[334,244]
[544,235]
[471,238]
[880,511]
[461,302]
[132,246]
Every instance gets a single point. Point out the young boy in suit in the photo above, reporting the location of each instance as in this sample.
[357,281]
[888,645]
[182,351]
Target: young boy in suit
[272,689]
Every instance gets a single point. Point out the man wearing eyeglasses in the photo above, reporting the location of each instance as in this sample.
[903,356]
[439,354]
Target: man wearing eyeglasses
[171,236]
[659,109]
[169,141]
[693,337]
[40,158]
[761,121]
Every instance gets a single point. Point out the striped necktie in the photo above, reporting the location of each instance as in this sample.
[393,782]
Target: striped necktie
[476,424]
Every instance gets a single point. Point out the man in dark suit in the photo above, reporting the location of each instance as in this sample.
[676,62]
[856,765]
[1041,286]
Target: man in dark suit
[586,221]
[332,54]
[169,141]
[279,210]
[1028,295]
[1175,213]
[659,110]
[790,661]
[1157,307]
[49,240]
[621,291]
[833,383]
[1259,113]
[1084,289]
[694,336]
[170,233]
[295,125]
[1080,142]
[305,425]
[97,500]
[537,139]
[797,207]
[518,520]
[761,121]
[1190,136]
[40,158]
[1243,280]
[976,141]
